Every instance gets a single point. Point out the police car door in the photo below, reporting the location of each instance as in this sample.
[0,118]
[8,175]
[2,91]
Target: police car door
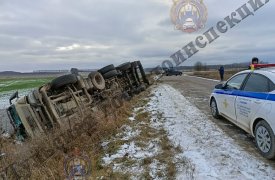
[228,97]
[251,98]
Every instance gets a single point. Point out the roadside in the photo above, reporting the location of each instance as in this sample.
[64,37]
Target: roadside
[168,137]
[141,148]
[197,91]
[212,153]
[215,74]
[159,134]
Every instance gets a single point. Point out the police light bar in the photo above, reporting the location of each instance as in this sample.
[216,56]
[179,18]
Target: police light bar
[255,66]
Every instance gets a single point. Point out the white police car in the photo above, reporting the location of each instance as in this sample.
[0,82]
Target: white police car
[248,100]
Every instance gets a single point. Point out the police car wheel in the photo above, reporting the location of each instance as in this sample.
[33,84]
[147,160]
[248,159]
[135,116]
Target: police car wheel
[214,109]
[265,139]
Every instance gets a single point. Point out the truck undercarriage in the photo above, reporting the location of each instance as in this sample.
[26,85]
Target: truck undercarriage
[65,100]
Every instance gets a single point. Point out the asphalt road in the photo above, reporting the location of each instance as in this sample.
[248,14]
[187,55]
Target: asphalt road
[197,91]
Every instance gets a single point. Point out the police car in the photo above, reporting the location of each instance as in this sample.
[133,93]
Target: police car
[248,100]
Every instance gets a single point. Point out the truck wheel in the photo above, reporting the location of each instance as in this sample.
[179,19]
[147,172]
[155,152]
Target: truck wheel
[134,64]
[107,69]
[31,98]
[97,80]
[63,81]
[124,66]
[265,140]
[110,74]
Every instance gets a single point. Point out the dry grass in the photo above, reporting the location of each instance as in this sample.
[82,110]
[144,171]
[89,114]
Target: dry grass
[43,158]
[215,74]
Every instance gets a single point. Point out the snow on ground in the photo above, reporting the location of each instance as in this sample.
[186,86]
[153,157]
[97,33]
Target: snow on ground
[4,97]
[129,150]
[137,155]
[211,152]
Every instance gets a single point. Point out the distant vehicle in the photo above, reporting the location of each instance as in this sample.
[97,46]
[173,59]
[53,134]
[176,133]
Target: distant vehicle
[248,100]
[172,72]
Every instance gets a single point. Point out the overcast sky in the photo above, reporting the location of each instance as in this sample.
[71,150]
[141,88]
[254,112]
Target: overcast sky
[60,34]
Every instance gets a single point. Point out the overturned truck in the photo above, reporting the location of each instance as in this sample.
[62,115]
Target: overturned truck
[68,97]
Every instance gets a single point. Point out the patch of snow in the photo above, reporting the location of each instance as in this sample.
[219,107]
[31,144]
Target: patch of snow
[137,109]
[131,118]
[131,151]
[156,167]
[4,97]
[6,135]
[128,133]
[104,145]
[211,153]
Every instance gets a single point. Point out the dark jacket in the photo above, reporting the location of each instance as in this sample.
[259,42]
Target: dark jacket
[221,70]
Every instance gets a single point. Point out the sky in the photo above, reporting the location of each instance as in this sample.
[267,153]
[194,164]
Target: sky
[89,34]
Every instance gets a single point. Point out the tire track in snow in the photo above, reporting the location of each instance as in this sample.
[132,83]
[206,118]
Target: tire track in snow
[213,154]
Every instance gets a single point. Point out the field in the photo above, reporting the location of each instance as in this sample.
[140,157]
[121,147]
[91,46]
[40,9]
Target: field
[11,84]
[8,85]
[215,74]
[162,133]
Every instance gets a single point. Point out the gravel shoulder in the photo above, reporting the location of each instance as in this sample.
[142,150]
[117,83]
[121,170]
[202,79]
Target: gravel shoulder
[197,91]
[211,153]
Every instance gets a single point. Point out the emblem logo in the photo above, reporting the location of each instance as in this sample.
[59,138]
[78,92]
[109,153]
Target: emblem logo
[225,103]
[189,15]
[77,165]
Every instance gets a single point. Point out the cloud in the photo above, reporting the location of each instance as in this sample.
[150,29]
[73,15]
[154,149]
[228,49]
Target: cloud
[81,47]
[58,34]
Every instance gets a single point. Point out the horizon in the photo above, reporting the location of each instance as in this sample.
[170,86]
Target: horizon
[81,34]
[242,64]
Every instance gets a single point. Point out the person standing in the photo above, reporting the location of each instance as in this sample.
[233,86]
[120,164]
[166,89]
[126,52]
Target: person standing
[254,61]
[221,71]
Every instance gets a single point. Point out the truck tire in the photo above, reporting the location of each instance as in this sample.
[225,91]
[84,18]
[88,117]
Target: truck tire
[124,66]
[97,80]
[134,64]
[143,74]
[63,81]
[107,69]
[31,98]
[36,94]
[110,74]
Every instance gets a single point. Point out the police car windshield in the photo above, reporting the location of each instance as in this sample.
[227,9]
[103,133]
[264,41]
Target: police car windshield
[236,82]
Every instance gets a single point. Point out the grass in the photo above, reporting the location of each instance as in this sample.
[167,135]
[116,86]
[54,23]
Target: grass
[45,166]
[215,74]
[11,84]
[147,134]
